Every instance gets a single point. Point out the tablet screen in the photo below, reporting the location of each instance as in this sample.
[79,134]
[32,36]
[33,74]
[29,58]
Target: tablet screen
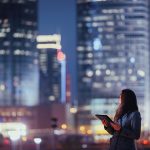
[101,117]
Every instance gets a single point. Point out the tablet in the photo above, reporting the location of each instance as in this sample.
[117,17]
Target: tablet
[101,117]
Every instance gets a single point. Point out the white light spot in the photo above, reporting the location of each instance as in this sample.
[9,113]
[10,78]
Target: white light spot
[97,45]
[98,72]
[129,71]
[89,73]
[132,59]
[51,98]
[37,140]
[108,72]
[141,73]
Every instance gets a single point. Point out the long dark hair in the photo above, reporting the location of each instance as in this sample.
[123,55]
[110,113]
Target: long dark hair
[128,103]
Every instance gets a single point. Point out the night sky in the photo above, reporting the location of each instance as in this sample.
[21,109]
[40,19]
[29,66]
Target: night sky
[59,16]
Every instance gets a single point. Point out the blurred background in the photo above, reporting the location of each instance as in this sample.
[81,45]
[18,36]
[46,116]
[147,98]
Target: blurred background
[62,62]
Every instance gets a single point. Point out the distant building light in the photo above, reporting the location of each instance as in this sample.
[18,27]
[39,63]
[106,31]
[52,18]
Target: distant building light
[133,78]
[2,34]
[37,140]
[18,35]
[49,38]
[82,128]
[2,87]
[46,46]
[13,129]
[64,126]
[84,146]
[89,131]
[98,72]
[14,135]
[108,84]
[24,138]
[29,36]
[141,73]
[108,72]
[73,110]
[68,94]
[80,48]
[51,98]
[130,71]
[2,52]
[60,55]
[89,73]
[132,59]
[97,45]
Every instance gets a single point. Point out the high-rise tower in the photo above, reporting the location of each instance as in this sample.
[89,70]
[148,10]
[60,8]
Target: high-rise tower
[18,55]
[112,49]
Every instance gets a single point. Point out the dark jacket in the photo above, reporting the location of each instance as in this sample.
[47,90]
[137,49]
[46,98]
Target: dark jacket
[130,131]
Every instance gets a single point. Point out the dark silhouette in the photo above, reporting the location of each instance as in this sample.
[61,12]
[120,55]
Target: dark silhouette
[127,123]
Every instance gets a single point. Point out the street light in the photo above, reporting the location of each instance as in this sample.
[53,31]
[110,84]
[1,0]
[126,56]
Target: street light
[14,136]
[37,141]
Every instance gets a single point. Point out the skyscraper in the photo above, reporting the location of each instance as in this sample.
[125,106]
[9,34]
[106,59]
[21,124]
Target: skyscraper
[18,55]
[112,49]
[50,68]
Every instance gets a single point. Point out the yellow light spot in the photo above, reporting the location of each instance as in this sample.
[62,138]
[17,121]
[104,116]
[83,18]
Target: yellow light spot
[73,110]
[24,138]
[64,126]
[89,131]
[82,128]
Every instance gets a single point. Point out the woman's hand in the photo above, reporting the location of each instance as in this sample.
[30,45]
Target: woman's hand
[105,123]
[116,126]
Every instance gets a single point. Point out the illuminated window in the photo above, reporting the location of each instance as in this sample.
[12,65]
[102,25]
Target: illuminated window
[96,85]
[29,36]
[130,71]
[98,72]
[6,43]
[2,34]
[141,73]
[97,45]
[2,52]
[110,23]
[51,98]
[108,72]
[133,78]
[18,35]
[2,87]
[87,18]
[89,55]
[89,73]
[86,79]
[132,59]
[108,84]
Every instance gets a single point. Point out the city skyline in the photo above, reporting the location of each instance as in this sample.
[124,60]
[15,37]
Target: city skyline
[64,62]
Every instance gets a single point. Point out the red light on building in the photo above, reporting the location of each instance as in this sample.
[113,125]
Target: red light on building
[145,142]
[60,55]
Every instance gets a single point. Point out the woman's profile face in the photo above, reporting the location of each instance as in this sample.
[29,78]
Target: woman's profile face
[120,98]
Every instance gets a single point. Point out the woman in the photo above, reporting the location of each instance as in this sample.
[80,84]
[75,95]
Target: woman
[126,127]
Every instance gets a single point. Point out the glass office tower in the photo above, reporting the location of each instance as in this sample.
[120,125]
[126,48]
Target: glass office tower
[49,68]
[112,49]
[18,55]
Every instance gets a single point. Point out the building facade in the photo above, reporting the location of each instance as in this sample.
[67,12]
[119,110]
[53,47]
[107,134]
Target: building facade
[113,50]
[18,55]
[50,68]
